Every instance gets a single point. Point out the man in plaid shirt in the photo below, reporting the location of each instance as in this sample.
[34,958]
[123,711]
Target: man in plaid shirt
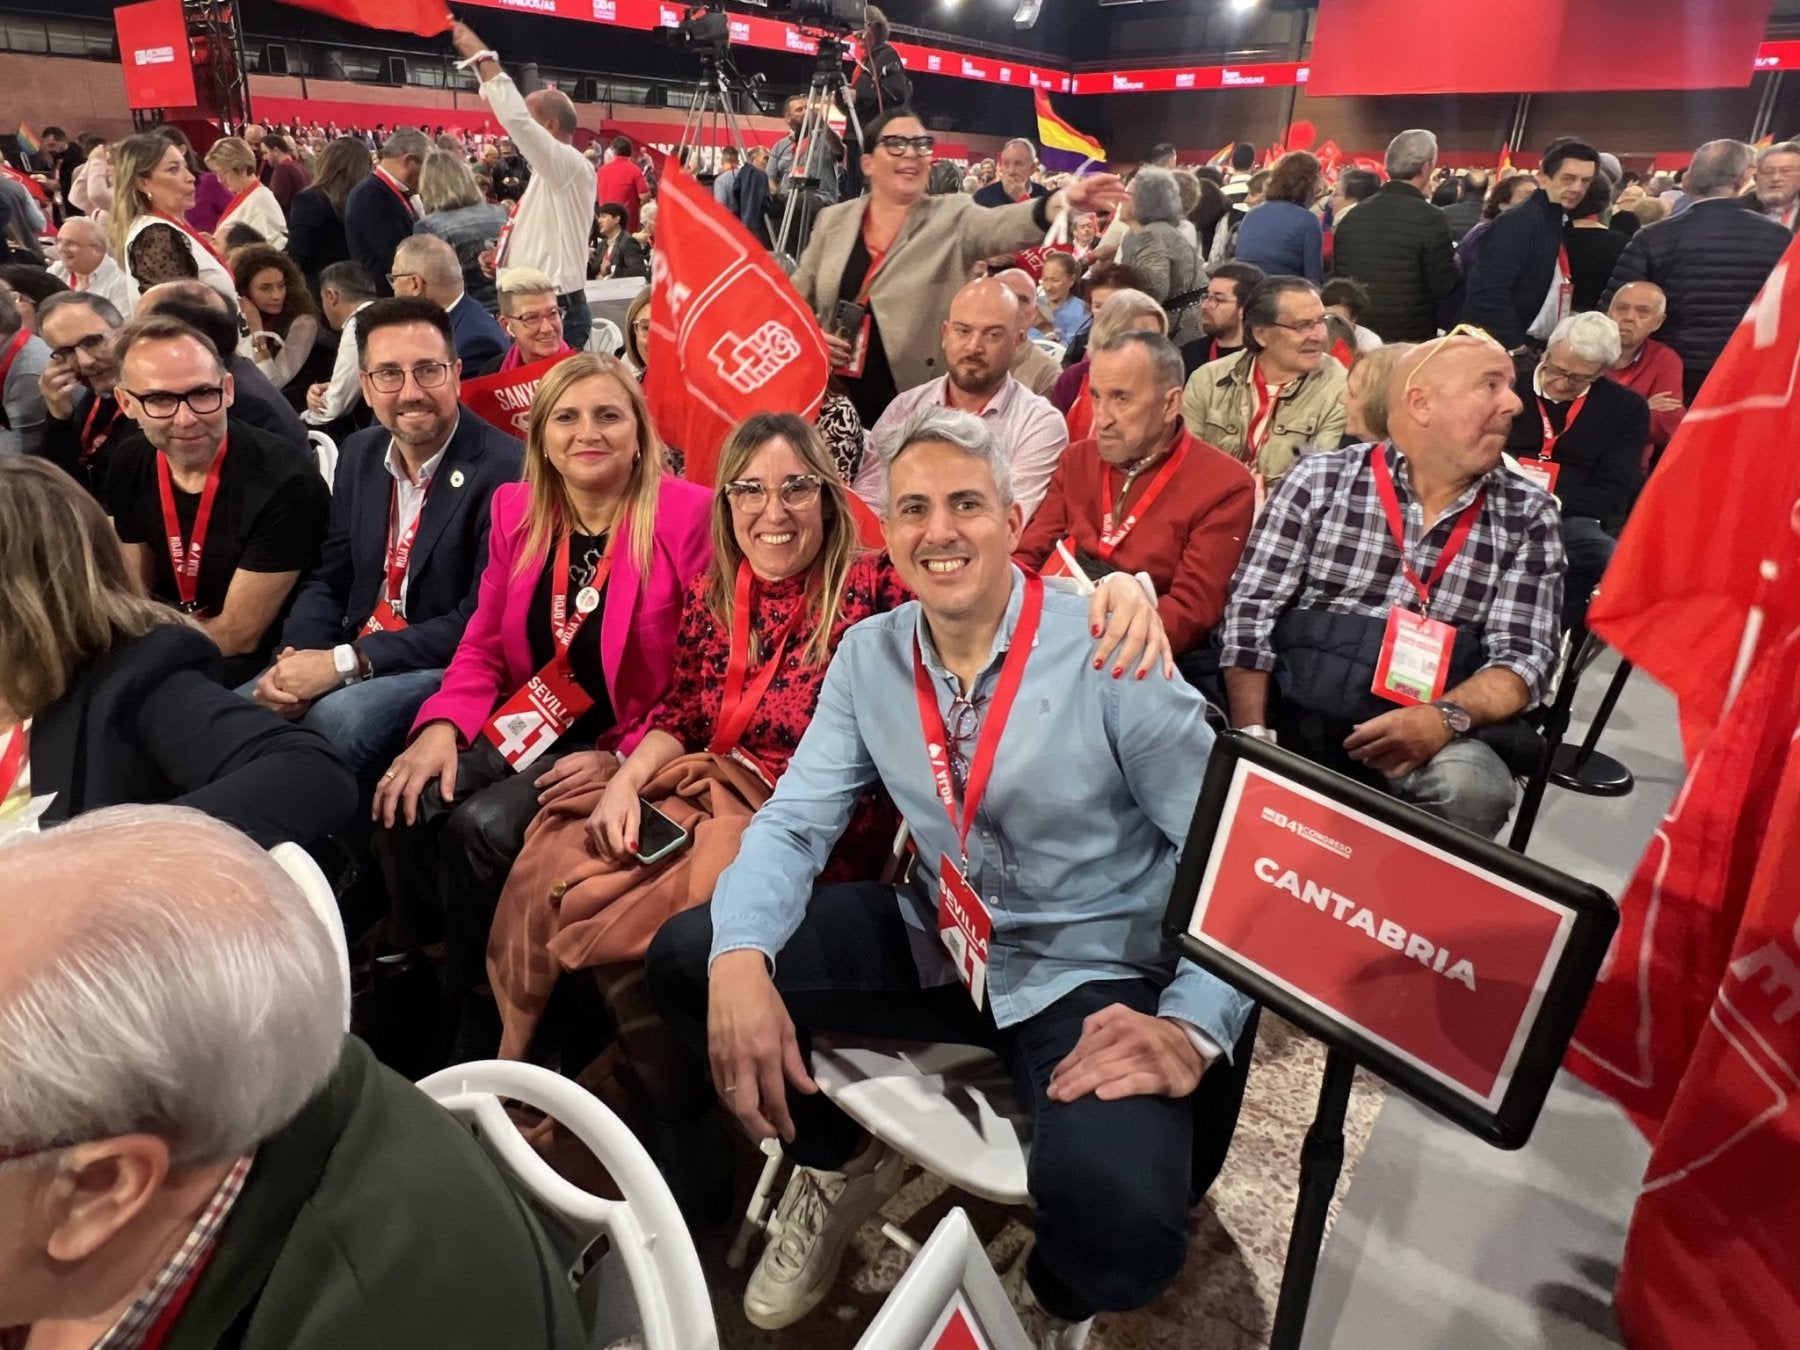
[1311,598]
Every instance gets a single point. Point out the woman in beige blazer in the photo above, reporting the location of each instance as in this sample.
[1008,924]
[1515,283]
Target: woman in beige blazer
[899,256]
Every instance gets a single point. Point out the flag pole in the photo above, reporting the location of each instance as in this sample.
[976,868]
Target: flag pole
[1058,232]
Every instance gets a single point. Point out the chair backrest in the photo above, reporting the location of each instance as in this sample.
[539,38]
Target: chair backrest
[299,865]
[649,1282]
[326,452]
[605,337]
[949,1277]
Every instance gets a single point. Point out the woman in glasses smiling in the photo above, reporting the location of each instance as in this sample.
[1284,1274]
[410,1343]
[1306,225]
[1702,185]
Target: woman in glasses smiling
[880,271]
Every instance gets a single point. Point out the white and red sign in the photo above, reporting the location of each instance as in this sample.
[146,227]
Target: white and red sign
[153,55]
[1431,957]
[956,1328]
[503,399]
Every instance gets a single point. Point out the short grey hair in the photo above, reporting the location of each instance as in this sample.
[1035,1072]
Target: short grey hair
[947,426]
[1409,152]
[193,994]
[1165,356]
[406,141]
[1120,310]
[1718,168]
[1779,148]
[1155,196]
[432,259]
[1591,335]
[107,312]
[1020,140]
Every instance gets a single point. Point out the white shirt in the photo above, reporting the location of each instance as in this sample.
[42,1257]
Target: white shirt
[412,502]
[550,229]
[1029,429]
[261,212]
[108,280]
[342,393]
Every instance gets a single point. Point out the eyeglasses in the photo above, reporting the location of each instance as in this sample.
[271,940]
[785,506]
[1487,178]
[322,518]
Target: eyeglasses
[18,1152]
[91,345]
[1215,298]
[963,724]
[640,326]
[162,405]
[797,490]
[1301,327]
[427,375]
[1438,344]
[901,145]
[542,318]
[392,277]
[1552,371]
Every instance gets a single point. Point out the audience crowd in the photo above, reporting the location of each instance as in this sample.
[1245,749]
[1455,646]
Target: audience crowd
[1331,458]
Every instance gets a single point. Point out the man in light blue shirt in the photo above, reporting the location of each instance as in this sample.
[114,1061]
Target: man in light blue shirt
[1071,851]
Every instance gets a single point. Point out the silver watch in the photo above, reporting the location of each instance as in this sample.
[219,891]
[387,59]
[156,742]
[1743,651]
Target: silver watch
[1456,717]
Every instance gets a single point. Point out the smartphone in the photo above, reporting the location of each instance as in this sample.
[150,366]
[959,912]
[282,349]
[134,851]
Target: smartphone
[658,836]
[847,320]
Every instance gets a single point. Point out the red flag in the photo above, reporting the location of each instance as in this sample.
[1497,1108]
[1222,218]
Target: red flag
[729,335]
[30,184]
[504,398]
[426,18]
[1694,1025]
[1301,136]
[1330,157]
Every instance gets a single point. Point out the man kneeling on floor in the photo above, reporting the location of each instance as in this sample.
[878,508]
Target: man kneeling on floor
[1047,802]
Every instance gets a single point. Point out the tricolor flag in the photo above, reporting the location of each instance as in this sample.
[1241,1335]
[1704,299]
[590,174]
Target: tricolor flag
[1066,150]
[1765,143]
[28,143]
[1506,163]
[1222,160]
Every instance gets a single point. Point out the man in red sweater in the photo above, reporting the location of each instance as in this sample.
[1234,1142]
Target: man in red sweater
[1646,366]
[1145,496]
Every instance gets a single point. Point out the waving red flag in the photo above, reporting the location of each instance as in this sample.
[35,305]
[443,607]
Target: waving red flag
[729,335]
[426,18]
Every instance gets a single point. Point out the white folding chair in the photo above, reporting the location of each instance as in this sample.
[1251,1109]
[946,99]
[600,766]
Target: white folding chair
[605,337]
[950,1275]
[648,1283]
[299,865]
[326,452]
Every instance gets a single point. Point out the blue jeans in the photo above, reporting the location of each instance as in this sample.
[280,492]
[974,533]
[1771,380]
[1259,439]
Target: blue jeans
[1112,1181]
[1465,783]
[578,319]
[367,723]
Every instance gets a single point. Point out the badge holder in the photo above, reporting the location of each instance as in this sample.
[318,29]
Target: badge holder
[965,928]
[1415,658]
[1542,472]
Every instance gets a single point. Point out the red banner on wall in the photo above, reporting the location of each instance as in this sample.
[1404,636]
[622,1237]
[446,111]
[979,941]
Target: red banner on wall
[153,50]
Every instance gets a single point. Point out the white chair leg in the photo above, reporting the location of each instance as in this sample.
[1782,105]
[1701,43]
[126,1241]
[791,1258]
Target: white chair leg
[756,1216]
[899,1238]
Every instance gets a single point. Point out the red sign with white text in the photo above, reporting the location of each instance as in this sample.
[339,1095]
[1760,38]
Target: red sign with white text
[153,52]
[1258,75]
[503,399]
[1437,960]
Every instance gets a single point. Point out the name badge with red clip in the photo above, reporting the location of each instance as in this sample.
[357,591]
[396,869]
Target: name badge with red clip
[964,927]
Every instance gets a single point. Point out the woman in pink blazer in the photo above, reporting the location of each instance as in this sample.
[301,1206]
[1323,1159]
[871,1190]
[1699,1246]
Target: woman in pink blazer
[569,651]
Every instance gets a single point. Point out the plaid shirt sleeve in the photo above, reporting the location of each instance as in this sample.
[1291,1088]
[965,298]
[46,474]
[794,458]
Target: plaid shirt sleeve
[1523,631]
[1274,565]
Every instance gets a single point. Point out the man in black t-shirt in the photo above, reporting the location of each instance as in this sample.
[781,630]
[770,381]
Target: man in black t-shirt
[1222,315]
[217,517]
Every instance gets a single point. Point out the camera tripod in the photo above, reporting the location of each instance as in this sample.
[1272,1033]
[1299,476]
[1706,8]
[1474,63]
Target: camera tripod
[709,108]
[827,83]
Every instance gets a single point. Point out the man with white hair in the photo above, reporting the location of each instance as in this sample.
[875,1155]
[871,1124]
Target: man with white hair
[1398,245]
[1131,1061]
[550,229]
[1776,191]
[83,261]
[427,266]
[1581,437]
[204,1156]
[1645,366]
[1018,161]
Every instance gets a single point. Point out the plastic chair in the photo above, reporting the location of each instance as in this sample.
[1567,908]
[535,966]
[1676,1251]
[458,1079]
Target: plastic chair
[951,1270]
[299,865]
[1055,350]
[648,1282]
[605,337]
[326,452]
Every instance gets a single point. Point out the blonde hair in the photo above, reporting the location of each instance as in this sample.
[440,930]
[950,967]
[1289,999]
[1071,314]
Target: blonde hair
[1378,368]
[829,571]
[446,183]
[517,281]
[133,158]
[231,152]
[1119,313]
[551,514]
[66,598]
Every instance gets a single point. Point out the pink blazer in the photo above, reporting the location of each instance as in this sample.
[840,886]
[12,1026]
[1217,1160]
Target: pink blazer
[638,623]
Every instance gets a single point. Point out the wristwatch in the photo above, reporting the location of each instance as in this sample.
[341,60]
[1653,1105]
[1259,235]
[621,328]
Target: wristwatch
[1456,717]
[345,661]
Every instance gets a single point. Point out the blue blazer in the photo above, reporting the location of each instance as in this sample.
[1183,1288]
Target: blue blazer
[376,222]
[449,551]
[478,337]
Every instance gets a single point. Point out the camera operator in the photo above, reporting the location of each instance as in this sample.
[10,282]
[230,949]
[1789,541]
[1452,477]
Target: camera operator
[881,83]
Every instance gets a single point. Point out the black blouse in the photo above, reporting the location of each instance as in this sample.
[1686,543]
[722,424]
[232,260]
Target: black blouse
[585,552]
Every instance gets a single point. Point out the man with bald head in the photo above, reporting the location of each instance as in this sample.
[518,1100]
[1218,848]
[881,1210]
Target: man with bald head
[1355,546]
[1032,367]
[981,340]
[1645,366]
[83,262]
[550,230]
[427,266]
[249,1165]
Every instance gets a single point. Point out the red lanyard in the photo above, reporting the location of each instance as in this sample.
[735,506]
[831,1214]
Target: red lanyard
[197,239]
[185,557]
[12,762]
[91,443]
[13,348]
[1262,418]
[993,726]
[1562,264]
[1390,507]
[400,546]
[1551,435]
[564,625]
[1111,535]
[400,192]
[739,705]
[877,256]
[236,202]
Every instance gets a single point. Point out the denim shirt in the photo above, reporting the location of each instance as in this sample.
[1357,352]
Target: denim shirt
[1073,846]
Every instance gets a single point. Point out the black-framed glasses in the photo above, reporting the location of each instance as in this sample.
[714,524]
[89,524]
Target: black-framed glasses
[1301,327]
[901,145]
[426,374]
[963,724]
[797,490]
[91,345]
[1552,371]
[392,277]
[162,405]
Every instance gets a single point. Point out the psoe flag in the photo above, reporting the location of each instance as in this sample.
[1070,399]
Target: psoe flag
[1064,147]
[423,18]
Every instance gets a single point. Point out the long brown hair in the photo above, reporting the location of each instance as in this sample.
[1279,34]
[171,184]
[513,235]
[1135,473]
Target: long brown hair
[825,585]
[247,262]
[66,598]
[551,514]
[342,165]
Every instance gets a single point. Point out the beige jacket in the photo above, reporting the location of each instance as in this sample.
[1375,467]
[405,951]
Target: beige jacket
[1216,407]
[1034,369]
[943,237]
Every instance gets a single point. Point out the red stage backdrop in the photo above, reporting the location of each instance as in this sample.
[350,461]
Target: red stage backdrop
[153,49]
[1523,46]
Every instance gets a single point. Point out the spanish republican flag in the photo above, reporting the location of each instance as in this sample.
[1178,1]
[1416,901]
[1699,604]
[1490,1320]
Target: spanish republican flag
[1064,147]
[1506,163]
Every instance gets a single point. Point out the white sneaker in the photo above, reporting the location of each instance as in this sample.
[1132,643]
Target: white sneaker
[1043,1330]
[818,1214]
